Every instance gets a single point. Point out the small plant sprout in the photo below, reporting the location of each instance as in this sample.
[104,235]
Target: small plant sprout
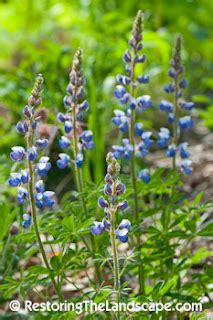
[177,113]
[29,181]
[112,190]
[139,141]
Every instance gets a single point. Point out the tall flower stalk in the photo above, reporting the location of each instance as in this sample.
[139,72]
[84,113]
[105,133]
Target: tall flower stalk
[75,137]
[113,189]
[36,194]
[177,112]
[138,142]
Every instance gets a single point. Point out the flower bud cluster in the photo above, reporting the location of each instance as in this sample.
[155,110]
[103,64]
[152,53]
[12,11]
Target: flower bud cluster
[40,166]
[75,105]
[177,113]
[111,203]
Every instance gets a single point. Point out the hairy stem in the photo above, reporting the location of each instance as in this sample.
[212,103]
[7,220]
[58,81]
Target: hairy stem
[34,216]
[115,262]
[175,124]
[134,180]
[80,186]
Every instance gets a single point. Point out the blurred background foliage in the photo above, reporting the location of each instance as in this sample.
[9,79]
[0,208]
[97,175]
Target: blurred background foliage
[42,36]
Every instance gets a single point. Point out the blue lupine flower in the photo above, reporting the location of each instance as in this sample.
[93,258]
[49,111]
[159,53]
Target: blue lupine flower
[22,127]
[87,135]
[143,79]
[123,80]
[25,176]
[17,154]
[108,189]
[132,103]
[26,223]
[125,98]
[15,179]
[38,200]
[183,83]
[118,152]
[185,122]
[42,143]
[120,189]
[106,223]
[184,153]
[123,151]
[142,150]
[120,120]
[138,129]
[32,153]
[186,167]
[102,203]
[186,105]
[171,118]
[123,229]
[23,195]
[61,117]
[140,59]
[47,199]
[127,56]
[119,91]
[64,161]
[79,160]
[43,166]
[163,137]
[166,106]
[26,216]
[28,111]
[64,142]
[39,186]
[146,139]
[125,224]
[168,88]
[98,228]
[68,126]
[171,151]
[79,116]
[144,175]
[122,205]
[144,102]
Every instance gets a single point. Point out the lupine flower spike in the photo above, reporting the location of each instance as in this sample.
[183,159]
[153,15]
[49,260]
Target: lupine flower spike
[28,181]
[139,141]
[177,113]
[111,205]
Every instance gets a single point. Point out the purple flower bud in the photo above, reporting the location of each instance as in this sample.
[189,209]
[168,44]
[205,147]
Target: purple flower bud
[42,143]
[64,142]
[39,186]
[106,223]
[185,122]
[186,167]
[67,101]
[171,151]
[184,153]
[80,93]
[168,88]
[140,59]
[32,153]
[63,161]
[98,228]
[84,106]
[127,56]
[183,84]
[27,111]
[143,79]
[122,205]
[17,153]
[108,178]
[22,127]
[25,176]
[79,160]
[108,189]
[120,188]
[138,129]
[144,175]
[23,195]
[15,179]
[61,117]
[34,125]
[47,199]
[102,203]
[43,166]
[186,105]
[69,89]
[119,91]
[166,106]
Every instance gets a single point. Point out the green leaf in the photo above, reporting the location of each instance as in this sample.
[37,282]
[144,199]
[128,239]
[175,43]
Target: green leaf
[207,231]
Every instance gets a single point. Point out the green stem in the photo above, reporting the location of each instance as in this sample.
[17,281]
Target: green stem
[175,124]
[141,274]
[80,186]
[34,215]
[115,262]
